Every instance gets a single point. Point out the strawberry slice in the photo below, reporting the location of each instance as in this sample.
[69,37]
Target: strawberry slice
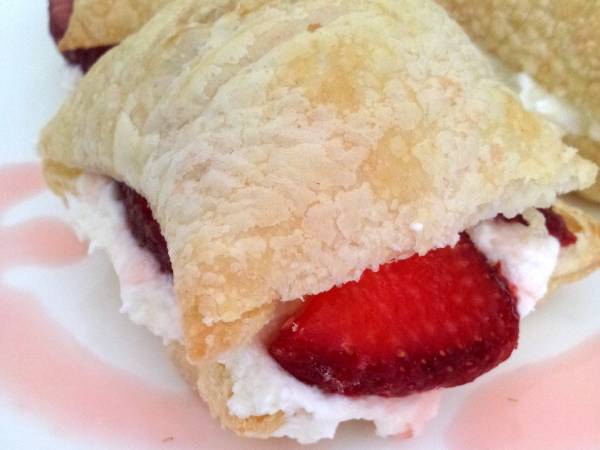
[425,322]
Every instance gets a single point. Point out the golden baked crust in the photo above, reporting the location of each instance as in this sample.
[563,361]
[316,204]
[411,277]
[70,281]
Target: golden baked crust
[556,41]
[97,23]
[285,147]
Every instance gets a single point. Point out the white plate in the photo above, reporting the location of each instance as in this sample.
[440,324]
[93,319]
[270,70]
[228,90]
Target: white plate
[75,374]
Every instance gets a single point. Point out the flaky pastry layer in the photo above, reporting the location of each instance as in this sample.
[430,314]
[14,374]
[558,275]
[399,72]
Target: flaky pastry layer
[285,147]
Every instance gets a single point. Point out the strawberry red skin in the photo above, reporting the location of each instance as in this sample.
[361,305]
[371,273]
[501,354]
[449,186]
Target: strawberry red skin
[557,227]
[425,322]
[142,225]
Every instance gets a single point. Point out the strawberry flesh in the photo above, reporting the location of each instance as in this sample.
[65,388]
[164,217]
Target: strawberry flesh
[60,12]
[425,322]
[142,225]
[556,226]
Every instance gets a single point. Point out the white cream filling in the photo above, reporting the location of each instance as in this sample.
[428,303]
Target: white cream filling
[147,294]
[528,256]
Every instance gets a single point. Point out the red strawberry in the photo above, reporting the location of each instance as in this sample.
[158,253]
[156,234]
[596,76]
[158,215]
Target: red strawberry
[425,322]
[555,224]
[144,228]
[60,12]
[557,227]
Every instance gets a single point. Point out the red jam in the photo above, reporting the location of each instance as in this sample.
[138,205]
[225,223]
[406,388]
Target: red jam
[144,228]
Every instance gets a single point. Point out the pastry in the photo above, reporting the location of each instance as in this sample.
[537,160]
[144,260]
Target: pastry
[286,187]
[555,43]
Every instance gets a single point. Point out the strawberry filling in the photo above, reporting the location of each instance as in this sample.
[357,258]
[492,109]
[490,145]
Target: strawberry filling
[556,226]
[60,12]
[425,322]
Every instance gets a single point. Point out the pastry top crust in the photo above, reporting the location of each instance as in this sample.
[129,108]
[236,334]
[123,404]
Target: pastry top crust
[287,146]
[557,42]
[97,23]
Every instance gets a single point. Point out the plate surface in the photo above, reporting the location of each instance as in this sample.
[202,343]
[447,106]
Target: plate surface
[75,374]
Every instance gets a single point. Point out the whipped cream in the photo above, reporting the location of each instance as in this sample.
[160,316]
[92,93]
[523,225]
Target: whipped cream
[259,385]
[147,294]
[527,255]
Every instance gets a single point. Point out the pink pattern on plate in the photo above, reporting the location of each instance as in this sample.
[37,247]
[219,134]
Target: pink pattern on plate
[552,405]
[47,373]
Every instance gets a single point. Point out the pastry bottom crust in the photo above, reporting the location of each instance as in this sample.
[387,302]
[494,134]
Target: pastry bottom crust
[212,381]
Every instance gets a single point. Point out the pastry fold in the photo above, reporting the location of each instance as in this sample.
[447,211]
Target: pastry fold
[556,42]
[285,147]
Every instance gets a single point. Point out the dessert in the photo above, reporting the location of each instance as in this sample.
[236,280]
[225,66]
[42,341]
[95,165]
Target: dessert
[337,188]
[554,44]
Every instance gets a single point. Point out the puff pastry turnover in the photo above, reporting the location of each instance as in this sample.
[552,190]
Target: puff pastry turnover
[285,147]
